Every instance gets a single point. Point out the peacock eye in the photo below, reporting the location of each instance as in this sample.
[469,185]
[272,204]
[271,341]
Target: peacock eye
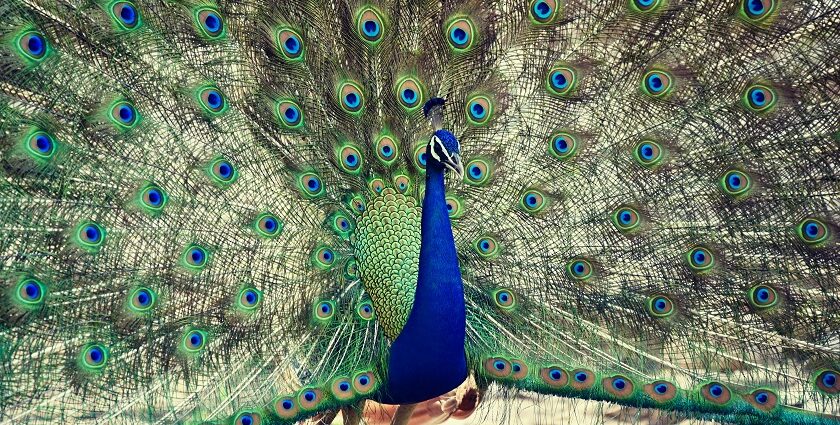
[648,153]
[125,14]
[763,296]
[532,201]
[579,269]
[210,23]
[619,386]
[626,218]
[543,11]
[736,183]
[350,159]
[249,299]
[504,299]
[563,146]
[94,357]
[370,26]
[32,45]
[561,80]
[757,10]
[479,110]
[153,198]
[364,383]
[289,114]
[700,259]
[222,172]
[487,247]
[420,156]
[342,388]
[478,172]
[350,97]
[812,231]
[365,310]
[41,145]
[212,100]
[460,34]
[286,407]
[248,418]
[716,393]
[657,83]
[90,236]
[402,183]
[660,306]
[142,300]
[323,257]
[409,93]
[30,292]
[310,185]
[357,203]
[645,5]
[268,225]
[290,44]
[661,391]
[194,341]
[582,378]
[454,206]
[195,257]
[759,98]
[554,376]
[497,367]
[124,115]
[828,381]
[386,149]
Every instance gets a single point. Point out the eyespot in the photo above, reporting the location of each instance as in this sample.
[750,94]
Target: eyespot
[402,183]
[479,110]
[763,296]
[125,15]
[660,306]
[195,257]
[716,393]
[648,153]
[323,257]
[30,292]
[249,299]
[370,26]
[350,159]
[661,391]
[248,418]
[504,299]
[268,225]
[497,367]
[454,206]
[460,33]
[212,100]
[757,10]
[645,5]
[342,388]
[365,310]
[561,80]
[194,341]
[152,198]
[386,149]
[309,398]
[700,259]
[409,93]
[420,156]
[142,300]
[222,172]
[90,236]
[341,224]
[563,146]
[735,183]
[41,145]
[543,11]
[478,172]
[124,115]
[812,231]
[762,399]
[626,218]
[554,376]
[582,379]
[94,357]
[210,23]
[579,269]
[828,381]
[532,201]
[290,44]
[619,386]
[759,98]
[310,185]
[32,45]
[351,269]
[486,247]
[350,97]
[377,185]
[286,407]
[289,114]
[519,369]
[357,203]
[657,83]
[364,383]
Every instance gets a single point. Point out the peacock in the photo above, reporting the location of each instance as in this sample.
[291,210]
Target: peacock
[274,211]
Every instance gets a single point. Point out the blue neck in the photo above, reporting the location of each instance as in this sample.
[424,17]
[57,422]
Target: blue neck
[427,358]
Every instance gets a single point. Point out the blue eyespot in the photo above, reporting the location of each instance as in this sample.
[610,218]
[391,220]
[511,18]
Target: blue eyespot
[194,341]
[125,14]
[757,10]
[225,170]
[619,384]
[290,44]
[660,388]
[829,379]
[351,100]
[369,25]
[458,36]
[579,269]
[477,110]
[716,390]
[581,376]
[32,45]
[460,33]
[210,22]
[91,234]
[41,145]
[762,397]
[700,259]
[656,83]
[95,356]
[124,114]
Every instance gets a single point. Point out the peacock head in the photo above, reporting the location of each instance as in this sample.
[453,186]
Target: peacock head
[443,146]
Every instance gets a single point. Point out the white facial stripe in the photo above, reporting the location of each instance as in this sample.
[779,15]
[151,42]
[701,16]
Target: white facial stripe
[436,141]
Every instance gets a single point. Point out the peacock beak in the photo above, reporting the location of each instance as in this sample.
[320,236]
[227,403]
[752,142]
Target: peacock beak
[453,162]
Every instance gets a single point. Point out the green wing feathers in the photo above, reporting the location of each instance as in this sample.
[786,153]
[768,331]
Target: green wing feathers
[211,210]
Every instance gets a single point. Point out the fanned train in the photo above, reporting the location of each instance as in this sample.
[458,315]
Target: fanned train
[257,212]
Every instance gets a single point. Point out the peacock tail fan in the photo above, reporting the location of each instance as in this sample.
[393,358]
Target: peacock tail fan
[211,210]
